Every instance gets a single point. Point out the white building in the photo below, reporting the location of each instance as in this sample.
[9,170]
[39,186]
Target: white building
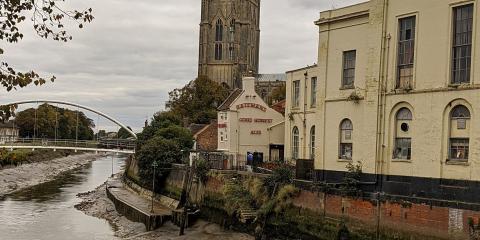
[8,132]
[247,125]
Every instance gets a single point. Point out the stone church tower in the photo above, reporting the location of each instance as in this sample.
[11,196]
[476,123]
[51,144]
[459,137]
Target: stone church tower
[229,40]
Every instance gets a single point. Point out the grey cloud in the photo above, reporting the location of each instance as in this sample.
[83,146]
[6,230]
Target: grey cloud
[134,53]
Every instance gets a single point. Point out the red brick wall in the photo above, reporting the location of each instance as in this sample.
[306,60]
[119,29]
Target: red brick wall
[207,139]
[410,220]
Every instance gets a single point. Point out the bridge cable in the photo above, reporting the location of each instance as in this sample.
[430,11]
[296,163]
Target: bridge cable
[35,123]
[76,129]
[56,123]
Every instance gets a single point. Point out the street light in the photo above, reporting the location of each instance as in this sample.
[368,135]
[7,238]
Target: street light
[154,165]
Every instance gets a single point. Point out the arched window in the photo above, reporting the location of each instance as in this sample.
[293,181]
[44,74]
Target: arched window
[346,143]
[403,138]
[295,143]
[232,30]
[312,143]
[219,31]
[218,51]
[459,141]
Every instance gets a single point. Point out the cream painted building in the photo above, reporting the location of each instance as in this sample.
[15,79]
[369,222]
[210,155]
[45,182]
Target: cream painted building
[398,92]
[300,113]
[246,124]
[8,132]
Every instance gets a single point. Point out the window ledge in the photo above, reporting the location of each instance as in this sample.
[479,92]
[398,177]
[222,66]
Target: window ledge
[347,88]
[401,161]
[457,163]
[345,160]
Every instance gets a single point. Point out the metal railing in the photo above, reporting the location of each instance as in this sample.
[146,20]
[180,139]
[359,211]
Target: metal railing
[123,144]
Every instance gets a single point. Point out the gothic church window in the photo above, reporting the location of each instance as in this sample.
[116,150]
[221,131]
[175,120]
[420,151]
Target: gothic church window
[459,141]
[219,31]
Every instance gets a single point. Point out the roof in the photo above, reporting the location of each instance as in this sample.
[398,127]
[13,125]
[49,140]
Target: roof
[234,95]
[303,68]
[280,107]
[195,128]
[271,77]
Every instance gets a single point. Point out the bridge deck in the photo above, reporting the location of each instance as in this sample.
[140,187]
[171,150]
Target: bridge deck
[100,150]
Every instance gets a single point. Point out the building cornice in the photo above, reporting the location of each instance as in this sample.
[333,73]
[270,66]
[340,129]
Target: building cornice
[344,17]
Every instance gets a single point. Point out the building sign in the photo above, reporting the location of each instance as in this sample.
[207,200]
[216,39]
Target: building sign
[222,125]
[249,120]
[252,105]
[256,132]
[258,120]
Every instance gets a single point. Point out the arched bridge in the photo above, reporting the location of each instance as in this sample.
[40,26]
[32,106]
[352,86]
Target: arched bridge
[126,146]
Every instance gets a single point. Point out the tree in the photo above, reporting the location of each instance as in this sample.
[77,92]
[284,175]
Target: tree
[48,19]
[198,101]
[163,141]
[46,120]
[279,94]
[123,133]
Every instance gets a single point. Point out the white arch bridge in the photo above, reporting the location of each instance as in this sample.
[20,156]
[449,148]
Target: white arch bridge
[125,146]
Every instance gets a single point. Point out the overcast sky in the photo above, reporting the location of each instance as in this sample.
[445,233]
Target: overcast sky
[135,52]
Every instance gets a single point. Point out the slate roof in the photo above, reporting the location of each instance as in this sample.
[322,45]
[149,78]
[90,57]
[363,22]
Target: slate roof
[282,77]
[234,95]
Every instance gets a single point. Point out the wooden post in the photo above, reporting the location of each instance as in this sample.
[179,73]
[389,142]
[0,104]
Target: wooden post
[185,193]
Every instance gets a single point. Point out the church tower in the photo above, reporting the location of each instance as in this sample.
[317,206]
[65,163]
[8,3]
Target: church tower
[229,40]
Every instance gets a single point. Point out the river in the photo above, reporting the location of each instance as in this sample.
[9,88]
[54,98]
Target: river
[46,211]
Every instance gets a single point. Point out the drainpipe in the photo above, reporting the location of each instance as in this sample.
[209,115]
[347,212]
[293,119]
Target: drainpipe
[380,140]
[305,116]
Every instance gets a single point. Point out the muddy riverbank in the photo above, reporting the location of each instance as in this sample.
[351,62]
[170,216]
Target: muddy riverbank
[28,175]
[96,204]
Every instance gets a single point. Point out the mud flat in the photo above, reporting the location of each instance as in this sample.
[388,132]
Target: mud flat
[97,204]
[28,175]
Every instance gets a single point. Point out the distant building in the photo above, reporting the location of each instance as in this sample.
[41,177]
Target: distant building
[300,112]
[205,136]
[247,126]
[229,40]
[266,83]
[8,132]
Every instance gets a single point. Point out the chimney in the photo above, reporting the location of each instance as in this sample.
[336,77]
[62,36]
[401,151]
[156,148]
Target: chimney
[249,84]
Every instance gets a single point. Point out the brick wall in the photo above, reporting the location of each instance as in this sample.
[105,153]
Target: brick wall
[207,138]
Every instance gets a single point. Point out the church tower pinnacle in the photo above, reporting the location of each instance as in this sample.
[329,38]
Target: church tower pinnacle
[229,40]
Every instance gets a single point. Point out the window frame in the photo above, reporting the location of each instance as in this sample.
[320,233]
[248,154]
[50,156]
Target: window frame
[454,139]
[454,46]
[312,142]
[345,68]
[296,94]
[399,65]
[345,145]
[400,116]
[295,143]
[313,92]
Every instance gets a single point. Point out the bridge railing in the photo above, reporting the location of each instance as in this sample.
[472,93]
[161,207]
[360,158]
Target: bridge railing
[105,143]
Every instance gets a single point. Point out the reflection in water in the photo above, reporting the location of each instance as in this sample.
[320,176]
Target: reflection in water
[46,211]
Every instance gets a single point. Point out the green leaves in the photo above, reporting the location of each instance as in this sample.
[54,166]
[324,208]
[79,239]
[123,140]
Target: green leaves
[47,18]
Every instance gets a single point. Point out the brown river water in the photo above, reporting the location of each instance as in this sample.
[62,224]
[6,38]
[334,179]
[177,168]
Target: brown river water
[46,211]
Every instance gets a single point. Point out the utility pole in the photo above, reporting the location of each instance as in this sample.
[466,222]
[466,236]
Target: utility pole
[154,165]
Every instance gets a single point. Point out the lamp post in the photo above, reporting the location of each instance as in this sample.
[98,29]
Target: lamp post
[154,165]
